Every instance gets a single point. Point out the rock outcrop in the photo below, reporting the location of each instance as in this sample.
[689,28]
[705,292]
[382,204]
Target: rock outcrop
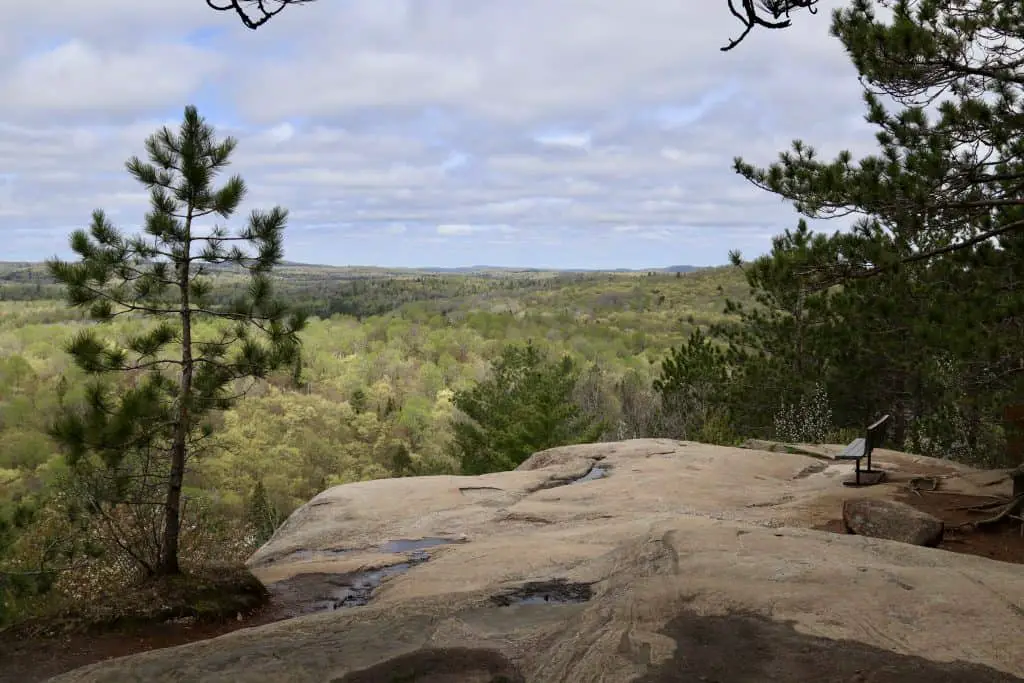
[892,520]
[678,562]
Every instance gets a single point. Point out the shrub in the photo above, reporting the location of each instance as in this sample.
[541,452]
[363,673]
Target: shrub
[808,421]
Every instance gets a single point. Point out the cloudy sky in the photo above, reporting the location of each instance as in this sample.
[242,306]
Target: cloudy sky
[550,133]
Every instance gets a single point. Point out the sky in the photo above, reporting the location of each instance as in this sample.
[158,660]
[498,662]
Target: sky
[538,133]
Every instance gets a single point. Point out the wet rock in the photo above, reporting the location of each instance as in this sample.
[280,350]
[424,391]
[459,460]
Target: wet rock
[554,592]
[593,473]
[323,592]
[891,520]
[403,545]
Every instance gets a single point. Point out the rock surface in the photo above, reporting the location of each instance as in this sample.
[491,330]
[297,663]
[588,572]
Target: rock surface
[685,562]
[891,520]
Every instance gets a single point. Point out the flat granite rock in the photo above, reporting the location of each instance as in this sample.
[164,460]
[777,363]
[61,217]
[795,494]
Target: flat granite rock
[684,562]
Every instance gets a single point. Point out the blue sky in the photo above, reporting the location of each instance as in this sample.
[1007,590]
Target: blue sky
[582,133]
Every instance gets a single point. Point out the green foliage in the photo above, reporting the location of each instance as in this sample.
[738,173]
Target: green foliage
[17,583]
[24,449]
[693,386]
[917,311]
[776,349]
[261,514]
[129,440]
[947,172]
[524,407]
[809,421]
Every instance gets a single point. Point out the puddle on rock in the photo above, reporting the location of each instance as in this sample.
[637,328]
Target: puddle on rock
[553,592]
[363,584]
[319,592]
[412,545]
[595,472]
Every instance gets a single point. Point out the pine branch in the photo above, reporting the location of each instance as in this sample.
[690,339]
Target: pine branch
[851,273]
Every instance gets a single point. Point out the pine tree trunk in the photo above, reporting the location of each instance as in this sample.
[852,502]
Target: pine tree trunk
[172,506]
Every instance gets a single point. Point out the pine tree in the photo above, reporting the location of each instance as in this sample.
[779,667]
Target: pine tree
[921,304]
[261,514]
[173,376]
[693,383]
[944,180]
[525,406]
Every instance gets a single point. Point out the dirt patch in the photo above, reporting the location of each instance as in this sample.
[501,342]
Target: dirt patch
[33,658]
[1002,542]
[154,615]
[40,658]
[232,599]
[747,648]
[211,595]
[37,659]
[442,665]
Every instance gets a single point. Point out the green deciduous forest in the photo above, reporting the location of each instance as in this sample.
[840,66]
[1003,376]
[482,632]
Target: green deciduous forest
[916,311]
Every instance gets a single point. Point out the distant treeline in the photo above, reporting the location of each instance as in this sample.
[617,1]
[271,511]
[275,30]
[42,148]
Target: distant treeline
[326,291]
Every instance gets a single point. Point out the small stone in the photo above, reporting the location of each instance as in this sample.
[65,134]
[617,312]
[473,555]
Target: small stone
[892,520]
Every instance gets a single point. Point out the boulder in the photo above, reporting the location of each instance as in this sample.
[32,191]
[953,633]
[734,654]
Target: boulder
[891,520]
[685,562]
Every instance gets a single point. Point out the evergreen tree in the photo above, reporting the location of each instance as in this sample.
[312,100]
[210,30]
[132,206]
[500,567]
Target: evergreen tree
[261,514]
[777,348]
[146,428]
[919,306]
[693,386]
[944,180]
[525,406]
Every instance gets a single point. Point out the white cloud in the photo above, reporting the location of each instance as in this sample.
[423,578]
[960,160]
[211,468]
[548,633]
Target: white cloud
[77,76]
[454,229]
[583,132]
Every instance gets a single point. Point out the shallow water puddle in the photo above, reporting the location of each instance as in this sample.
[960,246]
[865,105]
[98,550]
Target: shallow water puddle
[595,472]
[553,592]
[363,584]
[320,592]
[412,545]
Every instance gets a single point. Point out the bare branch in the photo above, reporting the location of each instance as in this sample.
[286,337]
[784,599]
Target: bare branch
[750,18]
[263,13]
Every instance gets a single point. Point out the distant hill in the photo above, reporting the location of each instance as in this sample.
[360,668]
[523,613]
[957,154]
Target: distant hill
[482,269]
[23,269]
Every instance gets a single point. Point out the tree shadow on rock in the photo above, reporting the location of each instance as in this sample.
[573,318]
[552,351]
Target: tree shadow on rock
[749,648]
[440,664]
